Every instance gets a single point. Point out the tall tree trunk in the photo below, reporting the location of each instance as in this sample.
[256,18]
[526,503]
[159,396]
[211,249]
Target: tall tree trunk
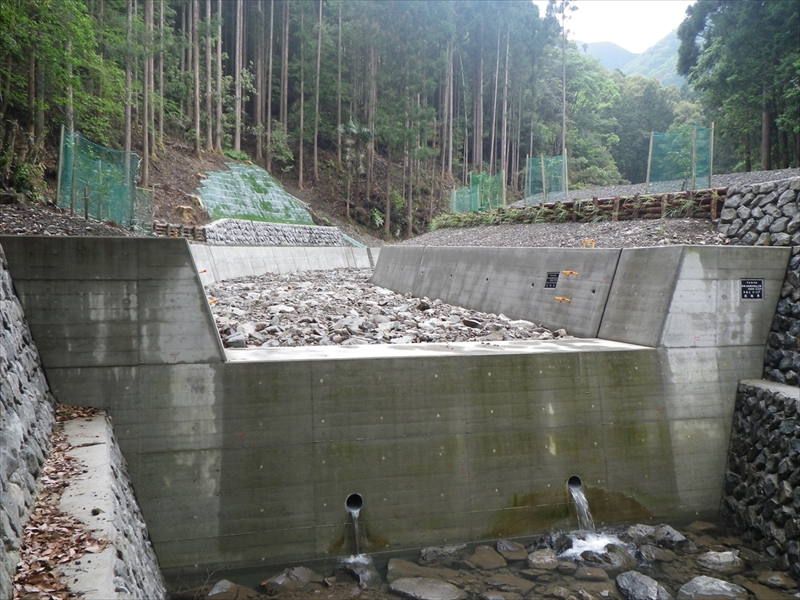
[183,52]
[218,141]
[148,23]
[40,121]
[339,95]
[316,99]
[285,66]
[451,94]
[237,134]
[161,74]
[209,91]
[128,77]
[765,126]
[189,32]
[31,94]
[504,119]
[258,108]
[494,108]
[387,211]
[269,84]
[748,164]
[196,69]
[301,136]
[372,102]
[478,113]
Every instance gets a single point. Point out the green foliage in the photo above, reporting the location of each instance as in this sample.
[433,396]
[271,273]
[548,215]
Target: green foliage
[236,155]
[398,202]
[739,56]
[683,207]
[278,147]
[377,218]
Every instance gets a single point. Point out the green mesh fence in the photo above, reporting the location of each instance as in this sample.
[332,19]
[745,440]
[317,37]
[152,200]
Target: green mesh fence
[461,200]
[249,192]
[100,183]
[680,160]
[545,180]
[485,192]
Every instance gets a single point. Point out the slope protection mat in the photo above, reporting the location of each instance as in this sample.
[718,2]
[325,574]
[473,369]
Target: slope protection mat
[249,192]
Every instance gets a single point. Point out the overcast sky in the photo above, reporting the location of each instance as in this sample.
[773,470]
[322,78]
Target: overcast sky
[636,25]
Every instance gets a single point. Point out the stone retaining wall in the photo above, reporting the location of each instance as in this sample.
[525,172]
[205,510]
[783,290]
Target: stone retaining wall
[233,232]
[762,480]
[768,214]
[27,418]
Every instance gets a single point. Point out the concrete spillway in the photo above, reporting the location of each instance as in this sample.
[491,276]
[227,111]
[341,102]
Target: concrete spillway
[245,457]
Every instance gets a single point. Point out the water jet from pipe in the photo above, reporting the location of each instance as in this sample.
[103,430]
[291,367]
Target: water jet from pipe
[353,504]
[575,487]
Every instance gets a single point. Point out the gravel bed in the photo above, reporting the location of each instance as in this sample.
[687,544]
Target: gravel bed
[605,234]
[342,307]
[717,181]
[46,219]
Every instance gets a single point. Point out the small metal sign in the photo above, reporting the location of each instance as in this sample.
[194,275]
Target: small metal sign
[752,289]
[551,281]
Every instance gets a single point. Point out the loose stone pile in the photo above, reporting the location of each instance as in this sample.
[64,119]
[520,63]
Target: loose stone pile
[762,482]
[342,307]
[642,562]
[27,419]
[256,233]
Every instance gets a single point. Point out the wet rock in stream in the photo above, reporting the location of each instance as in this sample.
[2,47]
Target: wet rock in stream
[642,562]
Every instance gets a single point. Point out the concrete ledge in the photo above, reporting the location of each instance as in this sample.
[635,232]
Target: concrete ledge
[102,498]
[789,391]
[423,350]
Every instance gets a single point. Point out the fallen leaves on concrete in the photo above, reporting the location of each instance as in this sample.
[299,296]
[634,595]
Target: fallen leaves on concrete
[52,537]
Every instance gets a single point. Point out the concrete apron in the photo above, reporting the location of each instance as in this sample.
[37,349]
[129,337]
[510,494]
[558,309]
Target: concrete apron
[244,458]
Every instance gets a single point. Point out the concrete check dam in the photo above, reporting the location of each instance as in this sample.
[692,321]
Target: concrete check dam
[245,457]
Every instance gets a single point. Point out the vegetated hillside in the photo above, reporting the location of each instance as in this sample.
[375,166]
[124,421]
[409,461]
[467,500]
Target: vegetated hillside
[610,55]
[659,61]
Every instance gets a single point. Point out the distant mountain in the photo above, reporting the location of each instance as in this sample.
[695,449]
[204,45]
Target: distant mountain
[659,61]
[609,54]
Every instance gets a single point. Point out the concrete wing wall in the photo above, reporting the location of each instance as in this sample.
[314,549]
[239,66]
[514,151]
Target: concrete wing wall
[555,287]
[218,263]
[694,296]
[95,302]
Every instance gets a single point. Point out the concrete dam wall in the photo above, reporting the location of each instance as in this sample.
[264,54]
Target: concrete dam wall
[245,457]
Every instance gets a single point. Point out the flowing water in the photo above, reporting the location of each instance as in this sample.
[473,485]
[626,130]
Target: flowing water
[585,520]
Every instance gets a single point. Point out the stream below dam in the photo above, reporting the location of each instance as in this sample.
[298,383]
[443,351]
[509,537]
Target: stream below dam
[638,562]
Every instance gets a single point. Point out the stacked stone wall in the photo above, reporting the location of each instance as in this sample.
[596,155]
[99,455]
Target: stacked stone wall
[768,214]
[762,480]
[27,418]
[235,232]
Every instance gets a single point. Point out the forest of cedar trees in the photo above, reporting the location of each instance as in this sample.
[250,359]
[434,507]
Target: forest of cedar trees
[401,99]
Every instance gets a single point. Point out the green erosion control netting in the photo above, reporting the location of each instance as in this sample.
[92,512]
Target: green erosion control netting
[484,192]
[681,160]
[100,183]
[250,193]
[545,180]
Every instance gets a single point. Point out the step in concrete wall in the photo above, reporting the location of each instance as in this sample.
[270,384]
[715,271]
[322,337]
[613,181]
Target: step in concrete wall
[244,458]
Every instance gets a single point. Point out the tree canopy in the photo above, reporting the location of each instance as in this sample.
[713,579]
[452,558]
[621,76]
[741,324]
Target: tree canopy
[438,89]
